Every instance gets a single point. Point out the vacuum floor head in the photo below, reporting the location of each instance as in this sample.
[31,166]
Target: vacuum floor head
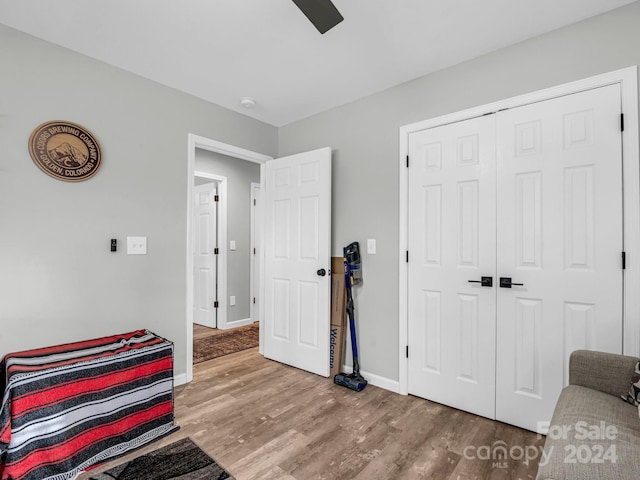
[352,381]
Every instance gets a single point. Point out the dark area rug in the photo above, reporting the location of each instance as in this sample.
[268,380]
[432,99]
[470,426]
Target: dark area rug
[225,343]
[181,460]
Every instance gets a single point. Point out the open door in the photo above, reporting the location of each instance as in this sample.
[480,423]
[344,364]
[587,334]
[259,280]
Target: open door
[297,246]
[205,268]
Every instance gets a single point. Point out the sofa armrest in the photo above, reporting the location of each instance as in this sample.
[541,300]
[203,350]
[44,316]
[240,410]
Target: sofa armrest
[606,372]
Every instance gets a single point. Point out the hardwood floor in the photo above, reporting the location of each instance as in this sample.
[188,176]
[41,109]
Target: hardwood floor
[200,331]
[263,420]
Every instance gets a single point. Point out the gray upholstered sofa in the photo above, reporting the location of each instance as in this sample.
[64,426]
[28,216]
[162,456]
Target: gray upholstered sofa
[594,434]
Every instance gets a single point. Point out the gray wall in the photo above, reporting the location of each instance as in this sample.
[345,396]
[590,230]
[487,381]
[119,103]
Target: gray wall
[239,175]
[364,138]
[58,280]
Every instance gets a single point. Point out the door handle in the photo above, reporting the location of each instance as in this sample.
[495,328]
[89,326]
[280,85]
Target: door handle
[505,282]
[322,272]
[484,281]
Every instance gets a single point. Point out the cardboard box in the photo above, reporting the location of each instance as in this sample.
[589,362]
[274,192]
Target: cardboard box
[338,316]
[336,350]
[338,293]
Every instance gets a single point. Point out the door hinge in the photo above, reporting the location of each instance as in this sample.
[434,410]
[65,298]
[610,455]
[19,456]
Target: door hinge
[624,260]
[215,304]
[407,256]
[254,251]
[407,351]
[216,251]
[407,161]
[622,122]
[217,198]
[254,300]
[254,202]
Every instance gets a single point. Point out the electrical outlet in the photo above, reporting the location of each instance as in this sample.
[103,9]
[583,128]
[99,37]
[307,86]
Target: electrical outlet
[232,244]
[136,245]
[232,300]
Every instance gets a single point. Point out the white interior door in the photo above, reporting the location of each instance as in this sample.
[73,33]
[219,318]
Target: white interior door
[452,245]
[256,204]
[204,257]
[560,236]
[536,201]
[297,246]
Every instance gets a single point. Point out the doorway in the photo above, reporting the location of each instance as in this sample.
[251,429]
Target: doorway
[298,215]
[196,145]
[224,217]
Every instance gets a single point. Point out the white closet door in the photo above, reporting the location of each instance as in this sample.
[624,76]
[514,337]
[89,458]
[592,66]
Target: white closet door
[560,235]
[543,210]
[452,241]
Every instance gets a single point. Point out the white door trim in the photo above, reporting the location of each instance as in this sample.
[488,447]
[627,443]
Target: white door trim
[194,142]
[628,80]
[221,321]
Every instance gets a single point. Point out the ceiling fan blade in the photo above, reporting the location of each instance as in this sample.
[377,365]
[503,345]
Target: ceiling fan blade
[322,13]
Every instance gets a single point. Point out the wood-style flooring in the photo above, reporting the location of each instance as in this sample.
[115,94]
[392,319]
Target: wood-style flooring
[263,420]
[200,331]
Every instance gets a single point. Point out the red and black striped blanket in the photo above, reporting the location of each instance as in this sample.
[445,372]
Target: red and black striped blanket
[67,408]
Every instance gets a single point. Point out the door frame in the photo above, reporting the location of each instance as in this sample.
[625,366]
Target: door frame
[628,80]
[221,240]
[197,142]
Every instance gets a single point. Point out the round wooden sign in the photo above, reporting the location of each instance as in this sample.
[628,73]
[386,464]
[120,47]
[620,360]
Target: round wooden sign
[65,151]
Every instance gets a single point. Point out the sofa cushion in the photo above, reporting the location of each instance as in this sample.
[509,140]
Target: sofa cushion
[606,372]
[593,435]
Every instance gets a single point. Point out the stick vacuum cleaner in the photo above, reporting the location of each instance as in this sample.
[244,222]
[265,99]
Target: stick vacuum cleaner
[352,276]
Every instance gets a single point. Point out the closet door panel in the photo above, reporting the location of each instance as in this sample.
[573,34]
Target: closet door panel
[559,234]
[451,241]
[531,197]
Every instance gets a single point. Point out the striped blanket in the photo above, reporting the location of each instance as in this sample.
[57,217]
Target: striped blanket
[67,408]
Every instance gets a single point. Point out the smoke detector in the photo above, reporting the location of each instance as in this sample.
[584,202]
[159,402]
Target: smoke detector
[247,102]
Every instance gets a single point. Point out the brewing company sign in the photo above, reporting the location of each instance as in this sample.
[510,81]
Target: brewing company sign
[65,151]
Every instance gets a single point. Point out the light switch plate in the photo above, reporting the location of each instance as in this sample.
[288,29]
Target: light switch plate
[371,246]
[232,244]
[136,245]
[232,300]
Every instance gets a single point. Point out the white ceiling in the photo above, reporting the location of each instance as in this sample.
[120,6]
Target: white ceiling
[221,50]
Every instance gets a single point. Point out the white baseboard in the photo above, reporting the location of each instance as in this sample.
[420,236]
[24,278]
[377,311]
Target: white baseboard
[179,379]
[377,380]
[373,379]
[237,323]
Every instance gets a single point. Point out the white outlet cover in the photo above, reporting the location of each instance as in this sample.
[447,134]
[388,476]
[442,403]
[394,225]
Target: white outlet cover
[232,244]
[136,245]
[232,300]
